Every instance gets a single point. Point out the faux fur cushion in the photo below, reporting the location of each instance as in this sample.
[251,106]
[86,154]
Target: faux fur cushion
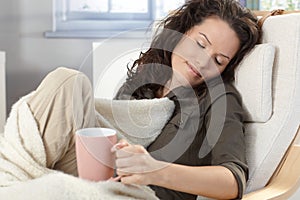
[138,121]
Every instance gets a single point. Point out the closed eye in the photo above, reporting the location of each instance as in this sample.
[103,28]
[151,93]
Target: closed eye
[200,45]
[217,62]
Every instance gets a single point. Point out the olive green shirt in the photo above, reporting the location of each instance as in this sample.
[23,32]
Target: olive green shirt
[202,132]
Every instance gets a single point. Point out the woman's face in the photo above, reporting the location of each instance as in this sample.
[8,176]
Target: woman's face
[204,52]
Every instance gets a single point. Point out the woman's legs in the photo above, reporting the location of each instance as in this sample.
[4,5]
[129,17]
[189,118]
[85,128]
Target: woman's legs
[62,104]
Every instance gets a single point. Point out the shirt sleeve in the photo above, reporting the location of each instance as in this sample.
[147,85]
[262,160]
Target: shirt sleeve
[225,135]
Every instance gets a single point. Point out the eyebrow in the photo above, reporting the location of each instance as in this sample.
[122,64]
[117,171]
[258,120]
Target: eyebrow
[211,44]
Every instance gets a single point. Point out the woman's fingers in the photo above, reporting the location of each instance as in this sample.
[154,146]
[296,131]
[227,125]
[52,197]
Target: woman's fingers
[121,144]
[129,151]
[123,162]
[123,172]
[135,165]
[133,179]
[115,179]
[123,141]
[129,170]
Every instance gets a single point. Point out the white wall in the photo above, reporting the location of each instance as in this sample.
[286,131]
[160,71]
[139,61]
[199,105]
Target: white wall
[30,56]
[2,92]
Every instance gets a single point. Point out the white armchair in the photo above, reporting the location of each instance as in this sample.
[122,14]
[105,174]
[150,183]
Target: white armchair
[268,141]
[2,92]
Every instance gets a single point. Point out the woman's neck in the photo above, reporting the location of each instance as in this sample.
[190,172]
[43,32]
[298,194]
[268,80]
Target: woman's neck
[169,86]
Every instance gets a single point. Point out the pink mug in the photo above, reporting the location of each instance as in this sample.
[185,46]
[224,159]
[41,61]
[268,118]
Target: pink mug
[95,161]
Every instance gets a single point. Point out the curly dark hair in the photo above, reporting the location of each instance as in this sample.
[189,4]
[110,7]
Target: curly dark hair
[147,72]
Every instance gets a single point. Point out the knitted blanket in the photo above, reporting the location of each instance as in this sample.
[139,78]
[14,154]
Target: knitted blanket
[23,172]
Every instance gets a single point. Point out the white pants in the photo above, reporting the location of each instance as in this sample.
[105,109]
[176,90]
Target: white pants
[63,103]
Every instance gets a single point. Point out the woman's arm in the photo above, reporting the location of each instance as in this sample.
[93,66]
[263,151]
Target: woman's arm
[215,182]
[136,166]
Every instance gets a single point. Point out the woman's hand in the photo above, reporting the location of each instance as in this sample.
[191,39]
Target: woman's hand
[135,165]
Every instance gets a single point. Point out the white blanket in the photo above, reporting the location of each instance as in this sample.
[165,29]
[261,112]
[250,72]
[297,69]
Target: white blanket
[23,172]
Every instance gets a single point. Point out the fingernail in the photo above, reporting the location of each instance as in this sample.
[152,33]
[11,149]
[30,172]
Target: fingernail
[115,147]
[115,179]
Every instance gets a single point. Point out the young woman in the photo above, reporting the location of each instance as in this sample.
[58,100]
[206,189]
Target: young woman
[191,61]
[201,149]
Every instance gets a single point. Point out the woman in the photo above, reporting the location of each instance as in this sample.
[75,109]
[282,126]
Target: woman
[191,61]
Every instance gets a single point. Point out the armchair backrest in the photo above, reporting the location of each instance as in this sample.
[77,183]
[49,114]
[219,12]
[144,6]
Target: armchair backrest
[267,142]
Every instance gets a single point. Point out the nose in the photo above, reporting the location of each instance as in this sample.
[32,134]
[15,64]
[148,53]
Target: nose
[203,59]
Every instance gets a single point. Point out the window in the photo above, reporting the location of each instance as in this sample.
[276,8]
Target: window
[269,5]
[105,18]
[279,4]
[109,9]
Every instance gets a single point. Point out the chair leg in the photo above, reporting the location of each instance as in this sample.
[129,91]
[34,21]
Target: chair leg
[286,179]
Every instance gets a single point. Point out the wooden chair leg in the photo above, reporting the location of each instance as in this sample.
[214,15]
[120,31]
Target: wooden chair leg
[286,179]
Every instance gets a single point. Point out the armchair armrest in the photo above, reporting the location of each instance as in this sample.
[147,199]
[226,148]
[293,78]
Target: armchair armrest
[285,180]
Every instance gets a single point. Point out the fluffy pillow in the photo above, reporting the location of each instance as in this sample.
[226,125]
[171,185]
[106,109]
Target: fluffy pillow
[253,79]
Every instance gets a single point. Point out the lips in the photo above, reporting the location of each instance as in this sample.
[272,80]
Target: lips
[193,69]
